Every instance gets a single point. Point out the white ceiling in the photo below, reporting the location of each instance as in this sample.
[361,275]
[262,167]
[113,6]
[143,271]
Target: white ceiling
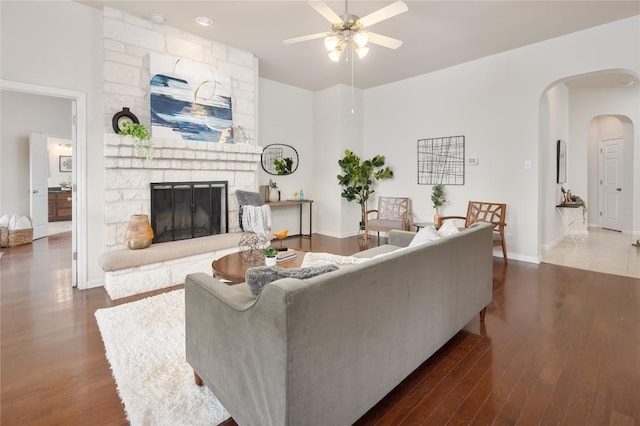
[436,34]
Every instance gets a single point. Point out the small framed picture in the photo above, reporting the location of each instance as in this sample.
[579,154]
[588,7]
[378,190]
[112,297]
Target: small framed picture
[64,163]
[561,165]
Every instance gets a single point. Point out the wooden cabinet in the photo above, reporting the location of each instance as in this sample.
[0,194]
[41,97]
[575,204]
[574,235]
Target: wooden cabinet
[59,206]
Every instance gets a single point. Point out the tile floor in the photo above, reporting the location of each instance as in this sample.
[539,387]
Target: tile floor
[58,227]
[601,251]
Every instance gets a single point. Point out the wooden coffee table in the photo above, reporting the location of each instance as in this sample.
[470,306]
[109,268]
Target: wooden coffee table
[233,267]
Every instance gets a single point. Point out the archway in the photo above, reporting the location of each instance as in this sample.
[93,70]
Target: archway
[581,110]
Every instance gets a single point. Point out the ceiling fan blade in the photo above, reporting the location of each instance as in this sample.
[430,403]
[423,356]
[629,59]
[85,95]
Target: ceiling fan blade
[385,13]
[304,38]
[324,10]
[381,40]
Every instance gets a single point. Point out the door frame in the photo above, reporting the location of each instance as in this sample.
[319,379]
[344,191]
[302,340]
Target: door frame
[79,273]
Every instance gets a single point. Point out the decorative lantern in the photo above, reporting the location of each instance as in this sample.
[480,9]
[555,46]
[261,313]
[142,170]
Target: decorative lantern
[139,234]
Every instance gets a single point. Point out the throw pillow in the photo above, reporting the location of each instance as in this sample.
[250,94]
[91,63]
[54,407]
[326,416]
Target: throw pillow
[258,277]
[426,235]
[448,228]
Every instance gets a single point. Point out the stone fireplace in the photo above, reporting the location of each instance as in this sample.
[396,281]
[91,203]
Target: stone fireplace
[128,178]
[128,42]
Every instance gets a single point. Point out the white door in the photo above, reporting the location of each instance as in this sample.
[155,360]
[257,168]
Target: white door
[611,190]
[39,173]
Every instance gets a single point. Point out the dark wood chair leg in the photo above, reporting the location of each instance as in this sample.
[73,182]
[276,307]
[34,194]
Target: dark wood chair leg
[483,312]
[199,381]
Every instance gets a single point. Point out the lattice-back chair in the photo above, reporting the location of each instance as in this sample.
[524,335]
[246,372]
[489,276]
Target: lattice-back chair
[483,211]
[392,213]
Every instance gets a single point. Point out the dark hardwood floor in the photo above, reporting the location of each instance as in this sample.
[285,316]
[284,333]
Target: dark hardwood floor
[559,346]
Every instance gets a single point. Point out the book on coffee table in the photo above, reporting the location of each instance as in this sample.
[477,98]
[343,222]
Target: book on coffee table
[284,256]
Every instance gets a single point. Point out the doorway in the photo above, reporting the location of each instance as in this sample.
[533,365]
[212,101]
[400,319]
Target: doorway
[602,151]
[77,121]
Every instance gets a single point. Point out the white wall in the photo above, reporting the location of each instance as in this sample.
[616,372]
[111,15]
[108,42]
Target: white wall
[557,128]
[22,114]
[59,44]
[585,106]
[336,129]
[286,117]
[494,102]
[58,147]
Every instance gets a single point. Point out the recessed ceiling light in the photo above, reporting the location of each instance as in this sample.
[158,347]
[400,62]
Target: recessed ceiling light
[158,18]
[204,21]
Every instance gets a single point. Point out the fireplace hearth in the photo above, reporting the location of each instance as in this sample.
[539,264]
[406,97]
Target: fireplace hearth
[184,210]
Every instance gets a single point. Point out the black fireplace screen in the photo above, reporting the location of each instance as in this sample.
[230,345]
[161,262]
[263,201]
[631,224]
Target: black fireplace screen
[183,210]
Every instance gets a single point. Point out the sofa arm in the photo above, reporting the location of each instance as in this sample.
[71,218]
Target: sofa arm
[235,344]
[400,238]
[225,293]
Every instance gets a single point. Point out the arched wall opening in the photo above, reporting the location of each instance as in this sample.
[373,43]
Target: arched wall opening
[581,110]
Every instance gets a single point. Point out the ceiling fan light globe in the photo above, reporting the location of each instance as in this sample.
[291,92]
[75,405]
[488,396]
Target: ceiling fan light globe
[331,42]
[361,38]
[334,55]
[362,51]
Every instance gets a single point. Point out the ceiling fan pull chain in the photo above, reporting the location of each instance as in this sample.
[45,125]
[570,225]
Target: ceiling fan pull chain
[352,109]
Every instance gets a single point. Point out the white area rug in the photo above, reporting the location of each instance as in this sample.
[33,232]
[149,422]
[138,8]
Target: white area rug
[144,342]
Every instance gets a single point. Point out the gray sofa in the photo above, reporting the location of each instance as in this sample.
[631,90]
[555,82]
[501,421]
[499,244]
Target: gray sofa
[324,350]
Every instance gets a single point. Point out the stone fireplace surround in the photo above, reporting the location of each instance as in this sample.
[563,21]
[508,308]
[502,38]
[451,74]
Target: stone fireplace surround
[128,178]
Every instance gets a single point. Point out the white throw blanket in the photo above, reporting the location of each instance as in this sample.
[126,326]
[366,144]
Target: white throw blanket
[257,219]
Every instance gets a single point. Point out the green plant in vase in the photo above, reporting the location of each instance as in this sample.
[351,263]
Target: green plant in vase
[142,144]
[270,253]
[438,198]
[358,178]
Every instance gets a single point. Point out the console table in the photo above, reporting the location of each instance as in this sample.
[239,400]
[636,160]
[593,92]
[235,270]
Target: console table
[567,218]
[299,203]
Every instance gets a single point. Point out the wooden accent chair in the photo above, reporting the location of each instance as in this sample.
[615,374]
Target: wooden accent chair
[482,211]
[392,213]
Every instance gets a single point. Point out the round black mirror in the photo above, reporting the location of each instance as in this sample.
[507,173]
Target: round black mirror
[279,159]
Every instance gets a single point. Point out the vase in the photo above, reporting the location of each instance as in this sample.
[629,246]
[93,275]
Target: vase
[274,195]
[139,234]
[437,219]
[270,261]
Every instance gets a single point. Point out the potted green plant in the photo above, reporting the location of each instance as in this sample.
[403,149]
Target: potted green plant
[142,144]
[270,253]
[358,178]
[438,198]
[274,192]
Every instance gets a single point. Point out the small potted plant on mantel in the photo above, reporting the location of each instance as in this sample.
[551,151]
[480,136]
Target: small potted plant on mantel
[142,144]
[270,253]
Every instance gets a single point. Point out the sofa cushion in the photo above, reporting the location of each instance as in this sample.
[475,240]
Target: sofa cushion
[426,235]
[259,277]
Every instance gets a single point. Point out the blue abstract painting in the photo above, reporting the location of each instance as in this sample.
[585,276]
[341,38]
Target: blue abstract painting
[189,101]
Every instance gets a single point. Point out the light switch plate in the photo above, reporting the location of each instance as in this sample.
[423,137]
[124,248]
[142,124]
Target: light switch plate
[472,161]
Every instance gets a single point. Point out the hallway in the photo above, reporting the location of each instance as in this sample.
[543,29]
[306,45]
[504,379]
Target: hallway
[601,250]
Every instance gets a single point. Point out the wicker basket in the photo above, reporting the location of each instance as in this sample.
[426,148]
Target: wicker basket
[20,236]
[4,237]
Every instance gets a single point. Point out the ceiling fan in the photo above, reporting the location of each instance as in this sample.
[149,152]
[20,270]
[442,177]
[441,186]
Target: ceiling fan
[349,28]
